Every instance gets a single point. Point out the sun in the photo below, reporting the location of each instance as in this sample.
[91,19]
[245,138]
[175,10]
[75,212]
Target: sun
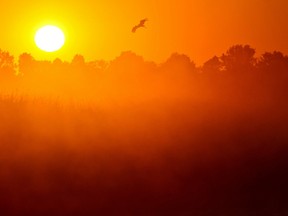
[49,38]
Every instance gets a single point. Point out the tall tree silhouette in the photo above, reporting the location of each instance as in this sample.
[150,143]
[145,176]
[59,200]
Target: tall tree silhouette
[26,64]
[78,60]
[78,64]
[128,61]
[239,58]
[212,66]
[273,70]
[7,65]
[179,62]
[274,62]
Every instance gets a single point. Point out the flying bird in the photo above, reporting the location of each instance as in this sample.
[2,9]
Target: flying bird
[141,24]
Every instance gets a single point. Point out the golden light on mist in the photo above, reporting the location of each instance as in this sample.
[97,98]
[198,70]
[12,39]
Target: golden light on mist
[49,38]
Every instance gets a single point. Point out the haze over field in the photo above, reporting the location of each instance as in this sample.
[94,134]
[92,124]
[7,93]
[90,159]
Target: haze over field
[132,137]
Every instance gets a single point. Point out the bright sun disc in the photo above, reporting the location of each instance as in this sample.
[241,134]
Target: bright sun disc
[49,38]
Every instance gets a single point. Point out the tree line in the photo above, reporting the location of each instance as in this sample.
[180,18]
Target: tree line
[237,68]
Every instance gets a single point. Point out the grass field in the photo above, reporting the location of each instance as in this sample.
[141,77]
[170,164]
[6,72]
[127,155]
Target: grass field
[164,157]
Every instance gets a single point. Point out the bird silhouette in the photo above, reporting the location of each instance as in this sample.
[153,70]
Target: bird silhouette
[141,24]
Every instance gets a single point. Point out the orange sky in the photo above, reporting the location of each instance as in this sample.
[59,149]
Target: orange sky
[101,29]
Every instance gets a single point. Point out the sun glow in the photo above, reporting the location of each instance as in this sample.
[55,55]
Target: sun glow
[49,38]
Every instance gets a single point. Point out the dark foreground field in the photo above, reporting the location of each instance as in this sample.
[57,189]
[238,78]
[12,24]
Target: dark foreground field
[153,158]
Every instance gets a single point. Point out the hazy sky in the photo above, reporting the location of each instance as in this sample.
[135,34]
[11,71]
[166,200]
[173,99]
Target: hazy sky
[101,29]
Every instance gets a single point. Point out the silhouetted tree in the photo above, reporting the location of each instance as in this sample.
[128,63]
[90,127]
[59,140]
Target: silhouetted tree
[239,58]
[60,68]
[127,64]
[178,65]
[78,60]
[273,71]
[7,65]
[26,64]
[212,66]
[274,63]
[78,65]
[57,61]
[130,73]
